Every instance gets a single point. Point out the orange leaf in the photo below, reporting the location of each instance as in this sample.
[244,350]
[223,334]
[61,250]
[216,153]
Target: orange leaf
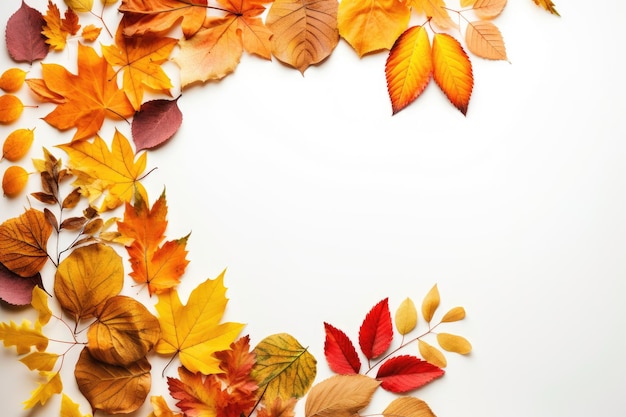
[39,88]
[485,40]
[11,108]
[254,33]
[488,9]
[17,144]
[305,31]
[452,70]
[14,180]
[12,79]
[23,242]
[435,10]
[409,67]
[90,33]
[372,25]
[547,5]
[160,16]
[90,96]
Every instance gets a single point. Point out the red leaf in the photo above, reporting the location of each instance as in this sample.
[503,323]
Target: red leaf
[405,373]
[376,332]
[155,123]
[340,352]
[25,41]
[15,289]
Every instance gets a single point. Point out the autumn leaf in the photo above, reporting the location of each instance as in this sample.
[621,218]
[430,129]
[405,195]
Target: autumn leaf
[454,314]
[372,25]
[90,95]
[160,16]
[14,181]
[278,408]
[12,79]
[435,10]
[23,242]
[454,343]
[158,266]
[237,363]
[160,408]
[82,6]
[548,5]
[340,353]
[488,9]
[15,289]
[11,108]
[23,337]
[304,31]
[100,170]
[193,331]
[406,316]
[408,407]
[340,396]
[17,144]
[90,33]
[87,278]
[409,67]
[405,373]
[430,303]
[155,123]
[113,389]
[284,368]
[39,301]
[431,354]
[58,28]
[484,39]
[24,40]
[376,331]
[51,386]
[40,361]
[70,409]
[452,70]
[41,91]
[140,58]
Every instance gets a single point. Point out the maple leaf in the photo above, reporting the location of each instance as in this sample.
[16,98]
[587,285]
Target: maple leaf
[158,266]
[405,373]
[89,96]
[25,42]
[372,25]
[160,16]
[100,170]
[305,31]
[452,71]
[193,331]
[140,58]
[548,5]
[435,10]
[57,29]
[237,363]
[279,408]
[376,332]
[340,352]
[23,242]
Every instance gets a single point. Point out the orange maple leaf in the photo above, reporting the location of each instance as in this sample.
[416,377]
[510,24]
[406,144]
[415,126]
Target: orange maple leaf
[160,267]
[57,29]
[160,16]
[140,57]
[89,96]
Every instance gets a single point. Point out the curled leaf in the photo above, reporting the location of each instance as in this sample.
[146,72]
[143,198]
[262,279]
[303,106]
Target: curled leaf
[406,316]
[408,407]
[454,343]
[340,396]
[17,144]
[431,354]
[430,303]
[39,302]
[23,242]
[12,79]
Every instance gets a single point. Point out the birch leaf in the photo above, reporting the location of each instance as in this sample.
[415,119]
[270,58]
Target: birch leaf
[488,9]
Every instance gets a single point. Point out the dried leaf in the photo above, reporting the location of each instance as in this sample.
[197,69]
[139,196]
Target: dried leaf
[340,352]
[90,33]
[72,199]
[24,337]
[408,407]
[430,303]
[436,10]
[39,301]
[25,42]
[160,16]
[87,278]
[406,316]
[155,123]
[14,180]
[431,354]
[454,343]
[17,144]
[23,242]
[15,289]
[57,29]
[11,108]
[70,409]
[284,368]
[40,361]
[12,79]
[488,9]
[81,6]
[548,5]
[113,389]
[376,331]
[73,223]
[46,390]
[485,40]
[160,408]
[452,70]
[405,373]
[454,314]
[340,396]
[39,88]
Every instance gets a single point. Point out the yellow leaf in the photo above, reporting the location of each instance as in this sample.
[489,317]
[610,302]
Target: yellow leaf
[340,396]
[454,343]
[23,337]
[87,278]
[488,9]
[466,3]
[409,67]
[283,367]
[70,409]
[41,361]
[434,9]
[431,354]
[408,407]
[372,25]
[11,108]
[17,144]
[53,30]
[485,40]
[406,316]
[100,170]
[14,181]
[455,314]
[12,79]
[23,242]
[113,389]
[193,331]
[44,391]
[160,408]
[80,5]
[90,33]
[40,304]
[547,5]
[452,70]
[430,303]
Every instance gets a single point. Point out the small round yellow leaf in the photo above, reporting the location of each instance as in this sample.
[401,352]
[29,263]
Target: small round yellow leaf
[14,180]
[454,343]
[12,79]
[455,314]
[17,144]
[11,108]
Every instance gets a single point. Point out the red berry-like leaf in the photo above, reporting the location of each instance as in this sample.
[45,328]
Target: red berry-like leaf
[340,352]
[405,373]
[376,332]
[25,42]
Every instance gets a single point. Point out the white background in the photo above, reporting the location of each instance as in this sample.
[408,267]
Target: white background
[320,204]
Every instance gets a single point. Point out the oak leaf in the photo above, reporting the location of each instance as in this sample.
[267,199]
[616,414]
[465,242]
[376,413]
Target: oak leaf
[408,407]
[405,373]
[452,70]
[194,331]
[87,278]
[23,337]
[376,331]
[51,386]
[17,144]
[160,16]
[484,39]
[435,10]
[406,316]
[340,353]
[40,361]
[12,79]
[372,25]
[548,5]
[140,57]
[15,289]
[340,396]
[24,40]
[159,266]
[155,123]
[409,67]
[284,368]
[113,389]
[23,242]
[304,31]
[488,9]
[100,170]
[89,96]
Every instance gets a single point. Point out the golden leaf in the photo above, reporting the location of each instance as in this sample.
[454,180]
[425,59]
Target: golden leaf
[40,361]
[488,9]
[23,242]
[408,407]
[160,408]
[90,33]
[406,316]
[455,314]
[485,40]
[452,70]
[12,79]
[14,180]
[44,391]
[80,5]
[87,278]
[11,108]
[40,303]
[283,367]
[548,5]
[340,396]
[70,409]
[454,343]
[431,354]
[430,303]
[17,144]
[466,3]
[113,389]
[23,337]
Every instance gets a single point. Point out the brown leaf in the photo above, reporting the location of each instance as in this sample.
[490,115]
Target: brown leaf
[23,242]
[484,39]
[408,407]
[155,123]
[113,389]
[340,396]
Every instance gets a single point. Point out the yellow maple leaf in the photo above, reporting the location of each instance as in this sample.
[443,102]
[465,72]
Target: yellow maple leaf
[194,331]
[23,337]
[100,170]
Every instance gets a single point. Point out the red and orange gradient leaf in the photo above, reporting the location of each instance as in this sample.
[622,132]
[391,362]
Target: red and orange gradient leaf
[452,70]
